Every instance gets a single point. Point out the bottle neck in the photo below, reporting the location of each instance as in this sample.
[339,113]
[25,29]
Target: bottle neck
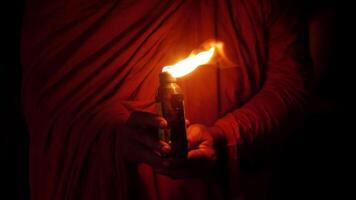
[166,78]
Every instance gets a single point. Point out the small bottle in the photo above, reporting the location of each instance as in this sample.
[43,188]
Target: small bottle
[171,106]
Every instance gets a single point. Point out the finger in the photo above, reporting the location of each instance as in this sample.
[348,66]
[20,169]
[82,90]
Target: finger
[136,152]
[187,122]
[154,160]
[153,143]
[165,148]
[208,154]
[193,136]
[154,121]
[145,119]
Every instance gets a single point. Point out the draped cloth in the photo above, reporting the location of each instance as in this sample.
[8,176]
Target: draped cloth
[87,64]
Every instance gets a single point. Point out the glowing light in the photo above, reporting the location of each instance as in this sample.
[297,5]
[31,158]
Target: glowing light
[190,63]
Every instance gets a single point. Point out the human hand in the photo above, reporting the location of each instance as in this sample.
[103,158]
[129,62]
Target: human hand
[140,142]
[202,154]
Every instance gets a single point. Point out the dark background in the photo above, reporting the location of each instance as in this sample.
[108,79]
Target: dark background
[14,138]
[308,167]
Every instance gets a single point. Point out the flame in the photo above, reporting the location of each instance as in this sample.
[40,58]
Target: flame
[189,64]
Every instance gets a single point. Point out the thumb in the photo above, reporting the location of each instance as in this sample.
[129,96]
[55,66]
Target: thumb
[208,154]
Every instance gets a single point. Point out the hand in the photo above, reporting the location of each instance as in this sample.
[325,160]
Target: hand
[200,143]
[202,153]
[140,142]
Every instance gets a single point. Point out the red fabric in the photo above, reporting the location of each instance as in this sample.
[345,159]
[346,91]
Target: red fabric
[88,64]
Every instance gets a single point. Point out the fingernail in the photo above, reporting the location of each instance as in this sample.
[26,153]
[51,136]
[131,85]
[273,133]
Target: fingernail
[162,124]
[165,149]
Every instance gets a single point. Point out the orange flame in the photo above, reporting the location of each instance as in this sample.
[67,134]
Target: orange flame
[193,61]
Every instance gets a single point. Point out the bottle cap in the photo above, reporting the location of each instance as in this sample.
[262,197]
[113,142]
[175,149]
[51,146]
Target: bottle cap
[166,77]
